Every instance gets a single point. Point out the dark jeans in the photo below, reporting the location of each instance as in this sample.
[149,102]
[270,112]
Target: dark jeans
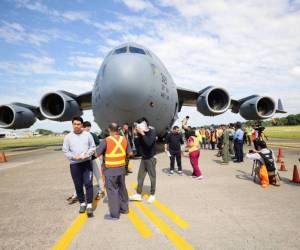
[238,148]
[82,174]
[147,166]
[176,155]
[117,195]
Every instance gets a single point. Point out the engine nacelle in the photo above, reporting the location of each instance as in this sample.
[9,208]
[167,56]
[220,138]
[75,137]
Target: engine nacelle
[13,116]
[59,106]
[260,107]
[213,101]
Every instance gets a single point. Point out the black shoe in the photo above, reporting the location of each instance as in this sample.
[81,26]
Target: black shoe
[90,212]
[124,212]
[82,209]
[129,172]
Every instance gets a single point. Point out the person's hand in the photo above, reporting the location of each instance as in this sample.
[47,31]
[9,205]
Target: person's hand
[84,156]
[140,131]
[77,158]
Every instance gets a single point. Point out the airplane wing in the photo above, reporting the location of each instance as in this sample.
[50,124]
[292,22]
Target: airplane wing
[58,106]
[212,101]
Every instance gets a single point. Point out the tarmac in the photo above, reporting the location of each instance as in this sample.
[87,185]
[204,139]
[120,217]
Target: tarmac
[225,210]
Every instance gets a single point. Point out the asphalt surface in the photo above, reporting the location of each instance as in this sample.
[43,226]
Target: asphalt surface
[225,210]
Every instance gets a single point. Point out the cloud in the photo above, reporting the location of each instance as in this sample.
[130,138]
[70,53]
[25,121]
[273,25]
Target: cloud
[246,47]
[139,5]
[34,65]
[15,33]
[58,15]
[85,62]
[295,71]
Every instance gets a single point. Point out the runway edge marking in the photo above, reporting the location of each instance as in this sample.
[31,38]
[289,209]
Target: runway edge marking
[165,210]
[174,237]
[139,224]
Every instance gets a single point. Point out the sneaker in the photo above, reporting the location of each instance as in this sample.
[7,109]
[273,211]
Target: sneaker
[151,199]
[82,208]
[199,177]
[124,212]
[171,172]
[90,212]
[135,197]
[180,172]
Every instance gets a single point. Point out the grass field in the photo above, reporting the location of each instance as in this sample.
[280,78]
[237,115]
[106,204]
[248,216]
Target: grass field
[284,132]
[30,142]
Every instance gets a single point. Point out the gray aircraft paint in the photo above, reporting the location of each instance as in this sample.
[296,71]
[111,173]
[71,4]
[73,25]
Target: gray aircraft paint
[130,86]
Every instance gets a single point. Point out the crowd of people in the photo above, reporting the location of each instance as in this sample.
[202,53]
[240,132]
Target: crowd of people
[108,159]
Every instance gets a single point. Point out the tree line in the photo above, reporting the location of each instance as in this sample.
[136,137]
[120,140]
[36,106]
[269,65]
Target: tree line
[290,120]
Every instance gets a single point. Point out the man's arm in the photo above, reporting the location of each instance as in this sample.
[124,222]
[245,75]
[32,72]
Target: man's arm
[129,152]
[92,146]
[150,139]
[253,156]
[101,148]
[66,149]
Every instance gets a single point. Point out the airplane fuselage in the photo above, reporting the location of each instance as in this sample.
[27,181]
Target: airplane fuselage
[131,85]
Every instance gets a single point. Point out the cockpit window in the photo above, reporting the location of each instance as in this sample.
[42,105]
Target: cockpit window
[121,50]
[136,50]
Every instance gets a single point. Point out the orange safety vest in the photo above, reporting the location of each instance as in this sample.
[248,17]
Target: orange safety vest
[115,154]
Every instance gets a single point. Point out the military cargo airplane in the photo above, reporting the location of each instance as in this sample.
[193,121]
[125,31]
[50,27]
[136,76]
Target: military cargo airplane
[132,83]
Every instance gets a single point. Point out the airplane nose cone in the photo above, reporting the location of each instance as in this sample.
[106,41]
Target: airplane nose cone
[128,79]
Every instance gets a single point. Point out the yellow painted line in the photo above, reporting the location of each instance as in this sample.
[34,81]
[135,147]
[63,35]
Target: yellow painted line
[68,236]
[66,239]
[174,237]
[139,224]
[168,212]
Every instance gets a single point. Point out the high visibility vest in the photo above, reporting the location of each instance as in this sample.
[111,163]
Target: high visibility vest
[115,154]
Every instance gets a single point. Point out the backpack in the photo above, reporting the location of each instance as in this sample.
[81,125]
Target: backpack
[269,162]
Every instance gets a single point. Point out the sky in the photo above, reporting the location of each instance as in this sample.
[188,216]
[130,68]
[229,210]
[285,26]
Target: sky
[247,47]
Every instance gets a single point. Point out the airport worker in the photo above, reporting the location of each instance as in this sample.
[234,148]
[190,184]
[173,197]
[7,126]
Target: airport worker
[126,132]
[147,141]
[96,162]
[78,147]
[266,157]
[249,132]
[213,138]
[199,137]
[207,135]
[231,134]
[238,143]
[194,154]
[225,146]
[115,149]
[204,139]
[173,147]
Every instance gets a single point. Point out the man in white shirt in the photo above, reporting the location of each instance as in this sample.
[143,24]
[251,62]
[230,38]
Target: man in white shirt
[79,147]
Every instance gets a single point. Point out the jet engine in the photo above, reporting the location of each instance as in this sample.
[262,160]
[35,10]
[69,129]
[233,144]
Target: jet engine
[60,106]
[213,101]
[259,107]
[14,116]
